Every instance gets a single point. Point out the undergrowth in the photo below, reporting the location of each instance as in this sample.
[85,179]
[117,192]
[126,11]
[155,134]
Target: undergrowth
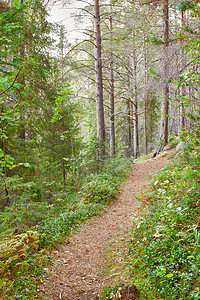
[165,249]
[29,229]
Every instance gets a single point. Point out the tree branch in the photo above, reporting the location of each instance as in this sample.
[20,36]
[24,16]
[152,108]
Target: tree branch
[11,84]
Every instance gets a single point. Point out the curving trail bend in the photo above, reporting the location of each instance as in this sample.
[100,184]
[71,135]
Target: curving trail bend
[93,258]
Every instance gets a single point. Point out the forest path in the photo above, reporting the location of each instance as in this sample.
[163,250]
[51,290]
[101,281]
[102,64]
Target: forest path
[93,258]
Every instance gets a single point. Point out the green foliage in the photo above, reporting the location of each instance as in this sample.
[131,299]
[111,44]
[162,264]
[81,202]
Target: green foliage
[99,188]
[59,226]
[165,251]
[21,265]
[22,216]
[18,191]
[49,223]
[157,41]
[39,144]
[183,5]
[109,293]
[42,118]
[153,115]
[96,191]
[155,74]
[13,248]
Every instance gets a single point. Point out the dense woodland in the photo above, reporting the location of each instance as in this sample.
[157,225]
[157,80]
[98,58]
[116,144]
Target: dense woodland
[73,115]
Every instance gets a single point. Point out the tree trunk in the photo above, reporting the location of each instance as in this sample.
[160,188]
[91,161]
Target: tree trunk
[129,141]
[145,98]
[64,174]
[135,110]
[99,82]
[129,113]
[182,108]
[4,174]
[111,97]
[22,133]
[165,85]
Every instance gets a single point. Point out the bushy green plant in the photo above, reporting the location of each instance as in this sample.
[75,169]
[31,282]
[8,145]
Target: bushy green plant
[165,255]
[103,186]
[24,215]
[100,188]
[55,229]
[109,293]
[25,277]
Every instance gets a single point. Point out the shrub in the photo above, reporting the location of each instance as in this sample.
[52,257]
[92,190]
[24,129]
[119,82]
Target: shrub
[165,252]
[22,216]
[100,188]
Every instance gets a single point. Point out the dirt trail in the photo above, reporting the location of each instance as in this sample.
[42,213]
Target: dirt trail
[81,269]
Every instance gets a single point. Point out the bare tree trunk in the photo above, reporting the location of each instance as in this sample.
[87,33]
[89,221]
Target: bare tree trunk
[22,133]
[135,110]
[151,126]
[111,97]
[129,112]
[7,203]
[99,82]
[165,85]
[4,174]
[129,135]
[145,98]
[182,108]
[64,174]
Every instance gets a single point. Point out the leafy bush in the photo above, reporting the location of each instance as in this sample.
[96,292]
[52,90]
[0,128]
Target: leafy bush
[22,216]
[14,248]
[16,189]
[100,188]
[165,255]
[21,265]
[56,228]
[103,186]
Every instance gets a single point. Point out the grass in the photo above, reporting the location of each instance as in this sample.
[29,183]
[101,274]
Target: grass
[165,247]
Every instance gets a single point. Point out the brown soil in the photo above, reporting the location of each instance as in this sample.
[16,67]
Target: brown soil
[94,258]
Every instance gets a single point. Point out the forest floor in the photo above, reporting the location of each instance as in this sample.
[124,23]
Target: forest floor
[95,257]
